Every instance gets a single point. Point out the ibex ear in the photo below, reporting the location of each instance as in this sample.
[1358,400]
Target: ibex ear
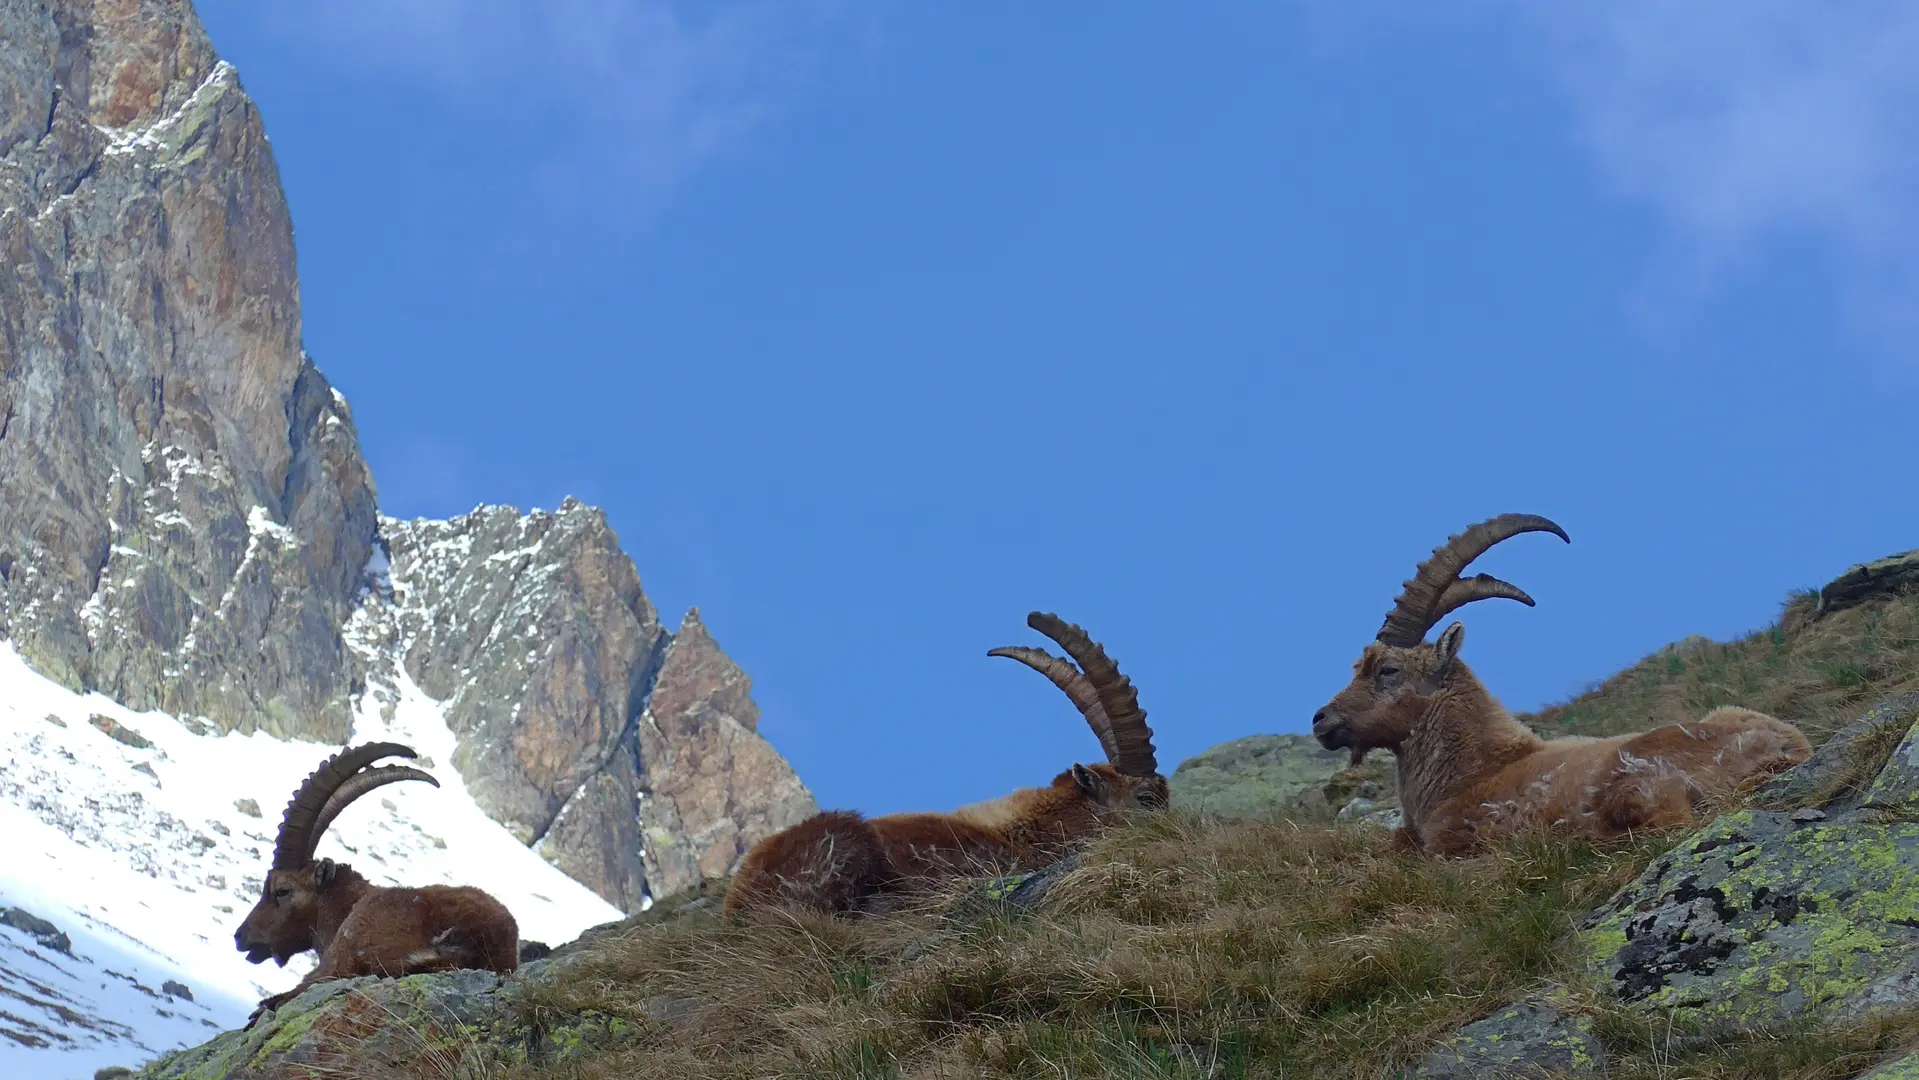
[1088,780]
[325,871]
[1448,646]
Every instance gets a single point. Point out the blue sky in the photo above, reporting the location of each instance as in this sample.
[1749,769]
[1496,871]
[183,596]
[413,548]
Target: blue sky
[875,326]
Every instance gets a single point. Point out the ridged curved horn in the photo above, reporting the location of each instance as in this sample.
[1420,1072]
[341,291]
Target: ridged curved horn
[357,785]
[1132,752]
[294,846]
[1478,587]
[1435,584]
[1068,678]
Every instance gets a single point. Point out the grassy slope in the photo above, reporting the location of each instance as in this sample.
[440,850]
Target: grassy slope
[1187,946]
[1817,674]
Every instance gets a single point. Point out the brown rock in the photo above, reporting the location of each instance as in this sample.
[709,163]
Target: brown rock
[184,512]
[712,786]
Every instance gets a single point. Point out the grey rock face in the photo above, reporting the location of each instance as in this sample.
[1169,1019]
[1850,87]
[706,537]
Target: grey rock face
[1529,1041]
[1889,576]
[48,935]
[712,786]
[187,522]
[1260,775]
[462,1022]
[1846,764]
[184,512]
[1905,1067]
[626,754]
[534,632]
[1773,915]
[1802,908]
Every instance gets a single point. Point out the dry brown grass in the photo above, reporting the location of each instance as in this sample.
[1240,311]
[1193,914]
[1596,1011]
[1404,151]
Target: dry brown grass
[1816,674]
[1186,947]
[1178,948]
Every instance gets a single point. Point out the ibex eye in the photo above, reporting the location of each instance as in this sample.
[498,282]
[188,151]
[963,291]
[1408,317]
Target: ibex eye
[282,893]
[1388,672]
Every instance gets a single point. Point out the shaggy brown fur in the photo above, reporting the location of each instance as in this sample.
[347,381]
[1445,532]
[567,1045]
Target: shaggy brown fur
[355,926]
[838,861]
[1470,773]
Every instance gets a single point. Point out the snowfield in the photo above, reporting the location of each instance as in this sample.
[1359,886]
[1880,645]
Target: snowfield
[143,839]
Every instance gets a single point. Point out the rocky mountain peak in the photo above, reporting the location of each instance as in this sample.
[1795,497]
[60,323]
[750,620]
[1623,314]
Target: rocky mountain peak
[187,522]
[184,509]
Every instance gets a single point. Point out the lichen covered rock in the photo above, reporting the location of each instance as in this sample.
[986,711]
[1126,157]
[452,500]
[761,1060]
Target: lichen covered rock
[1774,915]
[1904,1068]
[472,1020]
[1528,1041]
[1845,764]
[1261,775]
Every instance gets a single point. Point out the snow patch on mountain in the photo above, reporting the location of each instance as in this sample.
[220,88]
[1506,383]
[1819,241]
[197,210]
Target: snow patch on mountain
[144,838]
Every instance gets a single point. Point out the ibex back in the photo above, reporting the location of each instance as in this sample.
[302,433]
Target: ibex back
[838,861]
[1470,773]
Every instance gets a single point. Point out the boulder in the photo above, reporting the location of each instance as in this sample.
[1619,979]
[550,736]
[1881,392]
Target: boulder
[1527,1041]
[1262,775]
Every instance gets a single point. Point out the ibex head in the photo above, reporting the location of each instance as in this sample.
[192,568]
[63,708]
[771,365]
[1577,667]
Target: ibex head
[1130,777]
[281,925]
[1397,675]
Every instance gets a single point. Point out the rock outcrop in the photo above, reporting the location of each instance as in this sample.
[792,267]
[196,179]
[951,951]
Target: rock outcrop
[1802,907]
[187,522]
[712,787]
[1769,915]
[371,1026]
[1890,576]
[626,754]
[1262,775]
[184,510]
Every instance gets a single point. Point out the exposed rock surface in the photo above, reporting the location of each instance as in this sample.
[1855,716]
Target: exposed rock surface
[1260,775]
[1806,908]
[712,786]
[1773,915]
[372,1027]
[627,754]
[535,633]
[1527,1041]
[187,522]
[1889,576]
[184,510]
[1904,1068]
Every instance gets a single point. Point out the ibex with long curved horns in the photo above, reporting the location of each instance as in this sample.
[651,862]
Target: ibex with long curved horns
[1470,773]
[355,926]
[838,861]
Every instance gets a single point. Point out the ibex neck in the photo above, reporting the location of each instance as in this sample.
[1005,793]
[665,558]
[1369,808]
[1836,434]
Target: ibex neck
[336,904]
[1464,734]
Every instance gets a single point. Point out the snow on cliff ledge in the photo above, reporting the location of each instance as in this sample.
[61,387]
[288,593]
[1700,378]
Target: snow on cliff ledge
[134,835]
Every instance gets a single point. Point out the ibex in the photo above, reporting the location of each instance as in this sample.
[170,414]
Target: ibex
[840,862]
[1469,773]
[356,927]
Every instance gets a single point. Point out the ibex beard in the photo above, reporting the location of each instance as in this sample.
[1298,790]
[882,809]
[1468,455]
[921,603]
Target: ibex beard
[841,862]
[356,927]
[1469,773]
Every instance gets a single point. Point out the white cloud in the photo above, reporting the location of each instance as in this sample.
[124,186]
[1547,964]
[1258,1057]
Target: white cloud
[1751,124]
[1751,128]
[610,104]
